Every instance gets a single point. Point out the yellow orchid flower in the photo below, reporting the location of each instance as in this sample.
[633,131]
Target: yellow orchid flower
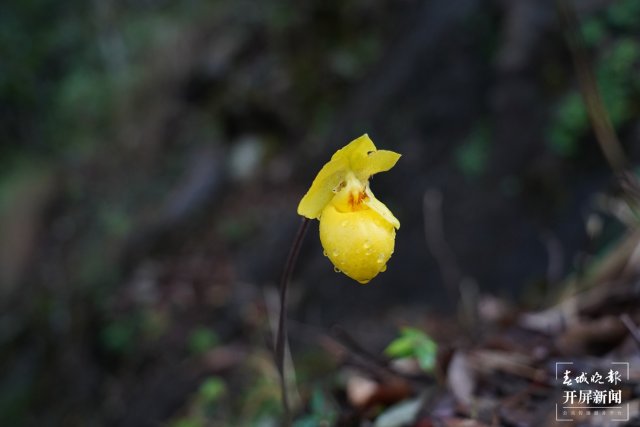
[357,231]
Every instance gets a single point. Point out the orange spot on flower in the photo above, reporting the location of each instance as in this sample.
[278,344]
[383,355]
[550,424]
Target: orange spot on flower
[356,199]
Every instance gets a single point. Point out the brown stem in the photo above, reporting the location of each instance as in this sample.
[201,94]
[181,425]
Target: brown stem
[281,332]
[598,114]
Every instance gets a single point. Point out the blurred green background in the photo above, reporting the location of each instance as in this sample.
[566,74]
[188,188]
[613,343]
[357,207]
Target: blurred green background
[153,154]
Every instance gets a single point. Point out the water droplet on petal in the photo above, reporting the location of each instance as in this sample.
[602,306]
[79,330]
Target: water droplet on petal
[325,253]
[336,269]
[335,253]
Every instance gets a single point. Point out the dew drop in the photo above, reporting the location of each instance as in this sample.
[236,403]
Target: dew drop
[336,269]
[325,253]
[380,259]
[335,253]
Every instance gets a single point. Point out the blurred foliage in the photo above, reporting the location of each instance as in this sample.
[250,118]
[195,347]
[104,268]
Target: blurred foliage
[624,14]
[571,121]
[212,389]
[202,340]
[118,336]
[33,61]
[321,412]
[124,334]
[472,156]
[61,79]
[611,38]
[414,343]
[205,406]
[80,83]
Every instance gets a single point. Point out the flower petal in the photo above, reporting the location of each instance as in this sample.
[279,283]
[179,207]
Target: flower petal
[381,209]
[358,243]
[321,191]
[331,175]
[374,162]
[359,146]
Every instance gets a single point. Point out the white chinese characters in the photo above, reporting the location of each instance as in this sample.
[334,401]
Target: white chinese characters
[592,397]
[613,377]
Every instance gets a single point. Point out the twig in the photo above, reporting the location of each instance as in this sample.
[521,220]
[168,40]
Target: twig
[437,244]
[371,361]
[598,114]
[631,326]
[461,290]
[555,255]
[281,333]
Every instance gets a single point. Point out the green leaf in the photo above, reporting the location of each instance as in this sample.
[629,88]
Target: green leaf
[202,340]
[308,421]
[400,347]
[318,404]
[425,353]
[322,414]
[413,342]
[212,389]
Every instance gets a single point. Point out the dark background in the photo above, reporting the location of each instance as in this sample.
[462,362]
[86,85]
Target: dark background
[153,154]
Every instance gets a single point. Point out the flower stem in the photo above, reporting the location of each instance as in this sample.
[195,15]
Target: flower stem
[281,332]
